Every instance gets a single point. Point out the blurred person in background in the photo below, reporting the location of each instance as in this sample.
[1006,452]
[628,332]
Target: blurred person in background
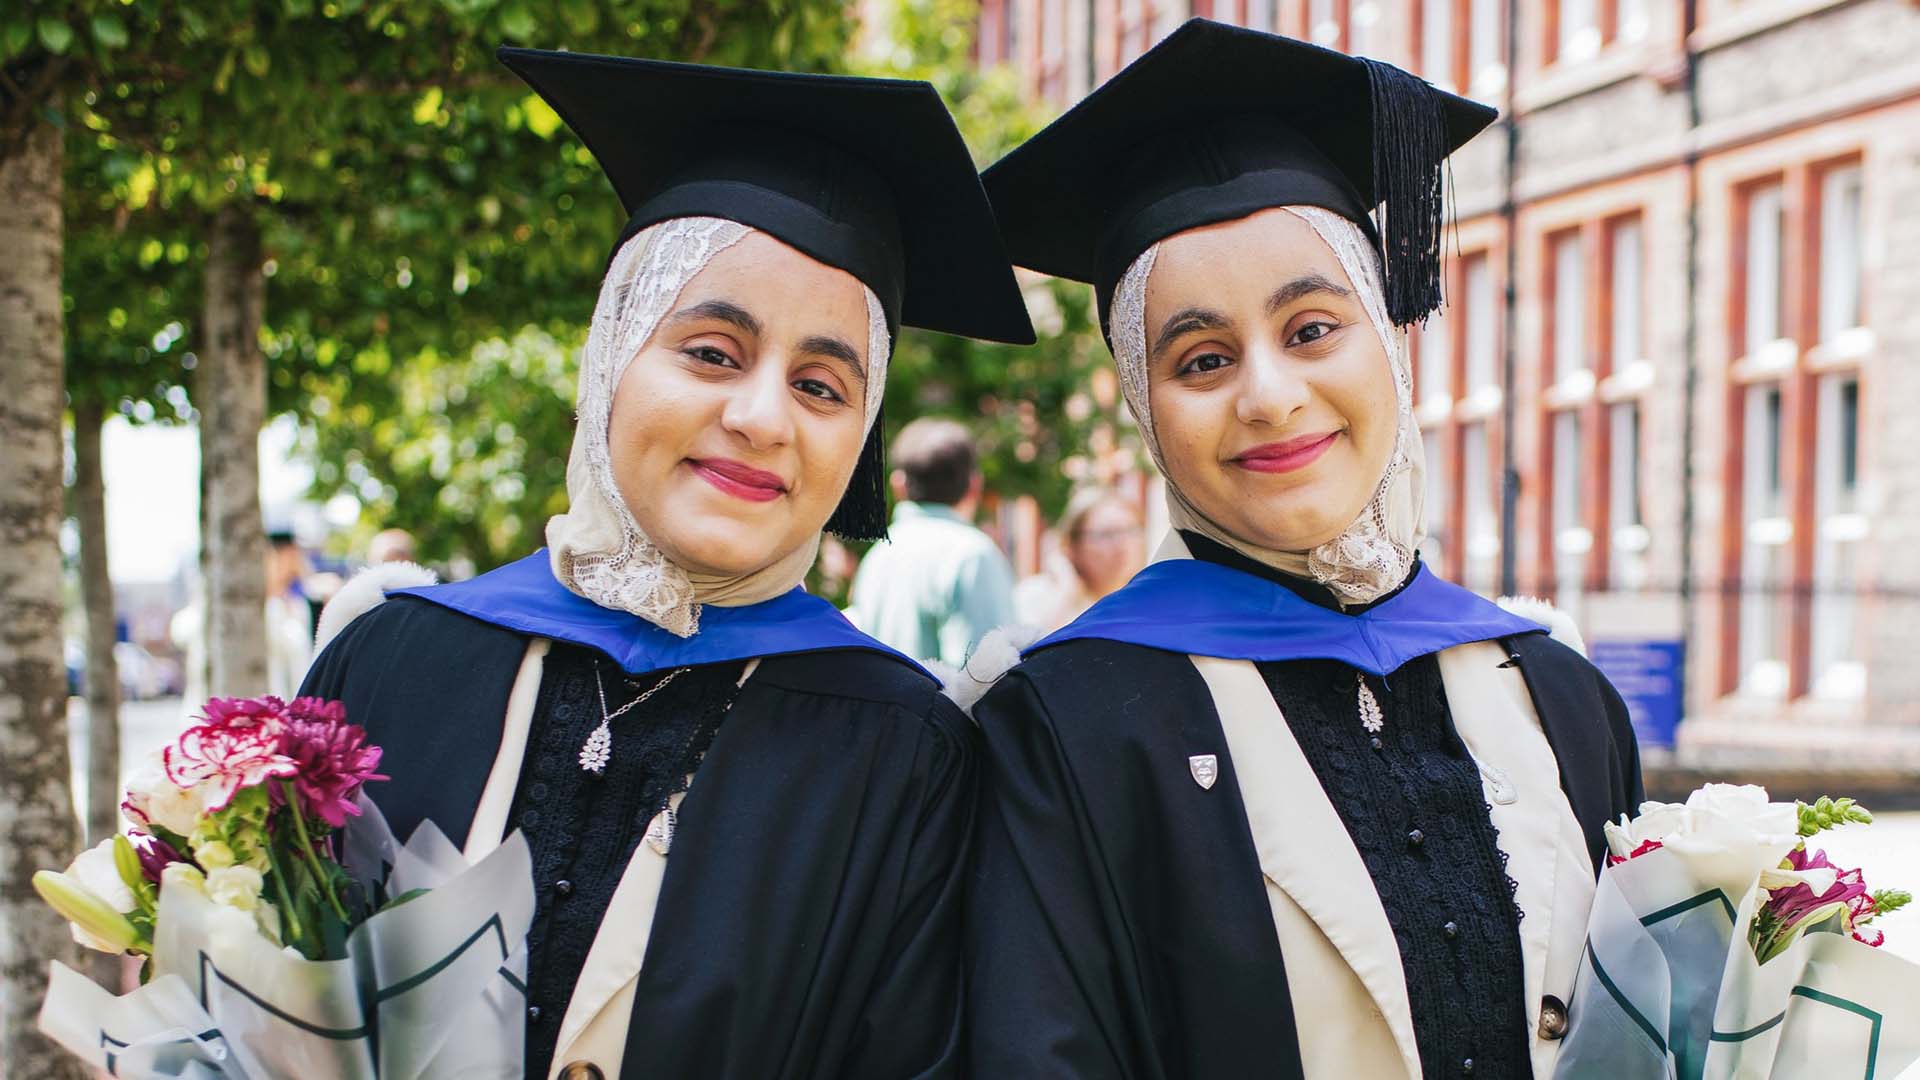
[1101,546]
[938,584]
[390,545]
[289,616]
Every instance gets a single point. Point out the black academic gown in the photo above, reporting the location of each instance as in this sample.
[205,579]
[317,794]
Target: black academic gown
[808,922]
[1117,928]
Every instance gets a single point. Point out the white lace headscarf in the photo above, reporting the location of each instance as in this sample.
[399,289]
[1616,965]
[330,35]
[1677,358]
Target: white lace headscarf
[596,548]
[1373,555]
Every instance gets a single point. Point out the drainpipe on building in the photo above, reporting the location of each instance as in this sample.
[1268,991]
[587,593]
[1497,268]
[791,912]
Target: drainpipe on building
[1509,212]
[1690,19]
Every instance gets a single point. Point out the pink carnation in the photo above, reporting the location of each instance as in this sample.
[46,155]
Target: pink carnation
[332,757]
[1790,905]
[236,747]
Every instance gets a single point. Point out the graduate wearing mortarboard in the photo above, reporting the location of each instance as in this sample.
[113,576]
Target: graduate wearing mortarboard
[747,818]
[1287,804]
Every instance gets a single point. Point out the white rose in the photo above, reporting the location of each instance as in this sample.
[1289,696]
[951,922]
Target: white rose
[1727,817]
[161,801]
[94,868]
[235,886]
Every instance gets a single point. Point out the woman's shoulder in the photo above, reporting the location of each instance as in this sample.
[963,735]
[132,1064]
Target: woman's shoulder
[1094,684]
[425,641]
[864,679]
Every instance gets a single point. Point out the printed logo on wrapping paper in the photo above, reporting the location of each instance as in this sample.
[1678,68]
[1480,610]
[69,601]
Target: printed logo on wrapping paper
[1205,769]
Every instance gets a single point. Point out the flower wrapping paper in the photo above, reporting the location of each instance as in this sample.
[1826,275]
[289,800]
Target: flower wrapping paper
[431,988]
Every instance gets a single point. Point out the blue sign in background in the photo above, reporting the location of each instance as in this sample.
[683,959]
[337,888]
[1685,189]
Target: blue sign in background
[1649,675]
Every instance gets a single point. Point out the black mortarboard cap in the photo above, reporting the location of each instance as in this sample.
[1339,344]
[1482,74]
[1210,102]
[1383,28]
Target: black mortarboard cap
[867,175]
[1217,122]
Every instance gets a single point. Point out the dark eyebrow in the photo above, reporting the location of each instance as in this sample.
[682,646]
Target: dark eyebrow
[725,311]
[1304,286]
[834,348]
[1181,322]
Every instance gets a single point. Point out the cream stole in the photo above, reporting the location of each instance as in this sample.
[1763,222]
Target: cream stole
[594,1029]
[1349,989]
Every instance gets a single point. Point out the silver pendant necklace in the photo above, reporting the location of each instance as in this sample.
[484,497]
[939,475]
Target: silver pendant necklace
[1372,717]
[598,749]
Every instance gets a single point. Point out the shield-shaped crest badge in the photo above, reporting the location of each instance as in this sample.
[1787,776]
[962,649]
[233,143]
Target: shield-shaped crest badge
[1205,769]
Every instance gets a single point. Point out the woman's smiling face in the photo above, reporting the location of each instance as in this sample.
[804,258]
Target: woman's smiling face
[735,429]
[1271,393]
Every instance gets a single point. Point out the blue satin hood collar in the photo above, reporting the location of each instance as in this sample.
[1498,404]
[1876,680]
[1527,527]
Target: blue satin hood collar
[523,596]
[1198,607]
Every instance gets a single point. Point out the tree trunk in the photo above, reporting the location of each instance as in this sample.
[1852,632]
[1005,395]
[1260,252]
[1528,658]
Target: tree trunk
[103,674]
[37,827]
[96,596]
[231,381]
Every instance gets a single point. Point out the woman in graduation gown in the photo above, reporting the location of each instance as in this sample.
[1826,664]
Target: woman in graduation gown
[747,819]
[1287,804]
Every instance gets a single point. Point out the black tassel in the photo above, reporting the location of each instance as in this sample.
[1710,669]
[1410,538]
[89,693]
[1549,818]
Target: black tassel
[1409,148]
[862,513]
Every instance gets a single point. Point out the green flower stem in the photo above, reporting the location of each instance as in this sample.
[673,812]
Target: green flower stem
[306,849]
[296,936]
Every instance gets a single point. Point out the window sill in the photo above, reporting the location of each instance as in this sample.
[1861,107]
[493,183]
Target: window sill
[1846,350]
[1482,404]
[1573,390]
[1752,19]
[1615,63]
[1628,383]
[1769,361]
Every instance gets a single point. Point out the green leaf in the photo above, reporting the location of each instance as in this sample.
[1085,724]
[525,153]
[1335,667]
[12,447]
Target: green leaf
[258,60]
[109,31]
[517,22]
[14,39]
[57,36]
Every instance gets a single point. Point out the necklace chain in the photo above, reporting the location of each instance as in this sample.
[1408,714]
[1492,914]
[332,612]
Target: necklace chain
[598,749]
[600,686]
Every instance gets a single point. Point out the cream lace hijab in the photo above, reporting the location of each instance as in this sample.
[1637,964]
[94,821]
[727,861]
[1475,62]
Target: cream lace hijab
[1374,554]
[597,550]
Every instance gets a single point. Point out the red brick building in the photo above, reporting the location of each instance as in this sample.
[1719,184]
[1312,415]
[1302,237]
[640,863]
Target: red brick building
[1675,387]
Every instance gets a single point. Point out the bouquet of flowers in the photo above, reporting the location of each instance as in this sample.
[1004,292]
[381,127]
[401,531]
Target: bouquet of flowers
[1720,945]
[279,942]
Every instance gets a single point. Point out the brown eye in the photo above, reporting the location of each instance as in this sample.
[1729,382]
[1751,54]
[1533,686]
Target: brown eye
[819,389]
[707,354]
[1312,332]
[1205,363]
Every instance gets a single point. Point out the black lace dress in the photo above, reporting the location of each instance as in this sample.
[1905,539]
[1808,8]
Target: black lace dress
[1410,796]
[583,828]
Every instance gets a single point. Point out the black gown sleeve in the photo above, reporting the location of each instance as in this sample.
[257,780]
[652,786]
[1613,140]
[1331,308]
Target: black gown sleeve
[1046,993]
[1591,733]
[912,1023]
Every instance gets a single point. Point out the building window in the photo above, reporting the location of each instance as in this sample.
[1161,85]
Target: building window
[1459,45]
[1765,532]
[1839,528]
[1439,545]
[1579,30]
[1569,305]
[1627,555]
[1481,314]
[1486,61]
[1481,516]
[1629,377]
[1764,268]
[1794,544]
[1327,23]
[1839,282]
[1436,44]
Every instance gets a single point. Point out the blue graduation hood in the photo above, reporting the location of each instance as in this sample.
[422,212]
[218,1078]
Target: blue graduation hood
[1198,607]
[523,596]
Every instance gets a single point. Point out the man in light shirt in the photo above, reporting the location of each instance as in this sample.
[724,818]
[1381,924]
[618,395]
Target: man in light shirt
[937,584]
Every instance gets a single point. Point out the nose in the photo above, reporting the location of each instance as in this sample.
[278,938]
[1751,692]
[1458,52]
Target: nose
[1272,388]
[758,410]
